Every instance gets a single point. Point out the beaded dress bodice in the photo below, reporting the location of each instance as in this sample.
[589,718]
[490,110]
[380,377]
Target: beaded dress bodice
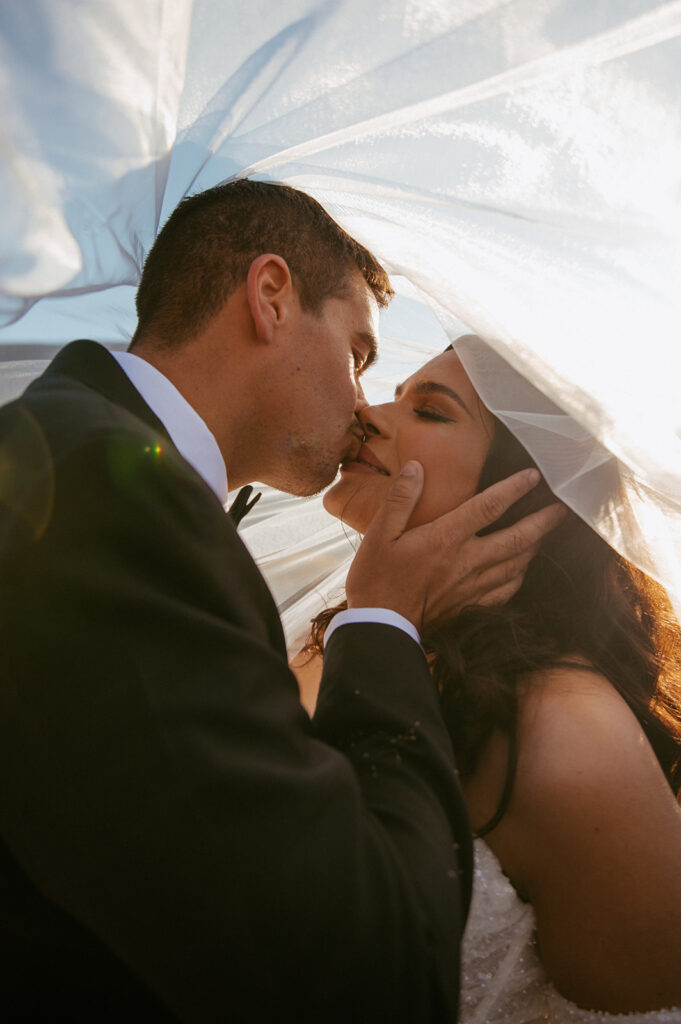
[502,978]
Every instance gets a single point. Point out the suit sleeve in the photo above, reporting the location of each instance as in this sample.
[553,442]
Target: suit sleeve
[162,784]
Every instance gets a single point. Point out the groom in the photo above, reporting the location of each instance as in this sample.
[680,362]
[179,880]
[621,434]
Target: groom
[179,842]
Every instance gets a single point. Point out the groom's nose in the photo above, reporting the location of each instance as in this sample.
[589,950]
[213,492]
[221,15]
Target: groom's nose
[361,402]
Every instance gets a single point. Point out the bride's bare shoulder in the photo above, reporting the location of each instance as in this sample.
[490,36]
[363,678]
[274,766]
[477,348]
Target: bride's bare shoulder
[584,761]
[573,727]
[572,724]
[593,837]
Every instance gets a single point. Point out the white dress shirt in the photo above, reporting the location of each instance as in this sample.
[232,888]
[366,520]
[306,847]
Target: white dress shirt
[188,432]
[197,445]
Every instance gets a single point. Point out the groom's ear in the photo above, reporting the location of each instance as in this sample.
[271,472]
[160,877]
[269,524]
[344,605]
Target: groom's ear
[270,291]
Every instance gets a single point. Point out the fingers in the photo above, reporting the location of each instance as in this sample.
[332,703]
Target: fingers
[485,508]
[492,568]
[527,532]
[502,595]
[391,520]
[501,559]
[500,580]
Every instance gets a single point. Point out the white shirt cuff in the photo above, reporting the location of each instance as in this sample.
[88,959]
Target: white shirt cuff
[385,616]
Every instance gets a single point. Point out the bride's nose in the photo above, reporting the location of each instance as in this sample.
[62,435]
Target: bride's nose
[375,421]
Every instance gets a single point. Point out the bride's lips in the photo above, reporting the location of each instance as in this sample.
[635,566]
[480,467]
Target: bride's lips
[364,462]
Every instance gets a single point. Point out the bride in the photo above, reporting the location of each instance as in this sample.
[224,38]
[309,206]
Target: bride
[564,709]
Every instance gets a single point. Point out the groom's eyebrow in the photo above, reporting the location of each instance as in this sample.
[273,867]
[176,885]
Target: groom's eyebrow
[433,387]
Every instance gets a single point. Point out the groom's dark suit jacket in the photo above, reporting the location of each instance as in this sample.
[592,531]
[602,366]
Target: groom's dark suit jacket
[178,840]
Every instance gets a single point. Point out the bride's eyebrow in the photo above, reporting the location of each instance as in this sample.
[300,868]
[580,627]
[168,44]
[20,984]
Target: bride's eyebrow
[433,387]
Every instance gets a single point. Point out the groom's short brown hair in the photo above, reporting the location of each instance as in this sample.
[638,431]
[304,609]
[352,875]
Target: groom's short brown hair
[208,243]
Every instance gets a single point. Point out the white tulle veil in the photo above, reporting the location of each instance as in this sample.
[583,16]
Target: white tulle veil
[514,163]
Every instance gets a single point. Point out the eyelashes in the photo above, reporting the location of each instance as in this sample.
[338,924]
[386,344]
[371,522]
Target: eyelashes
[361,363]
[427,414]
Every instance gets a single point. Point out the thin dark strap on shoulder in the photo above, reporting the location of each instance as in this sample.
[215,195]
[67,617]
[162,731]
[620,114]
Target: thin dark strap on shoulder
[511,763]
[512,760]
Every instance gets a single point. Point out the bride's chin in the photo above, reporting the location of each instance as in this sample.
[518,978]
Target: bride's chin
[330,500]
[346,504]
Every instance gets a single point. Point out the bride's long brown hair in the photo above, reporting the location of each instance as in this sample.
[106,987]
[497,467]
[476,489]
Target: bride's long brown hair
[579,599]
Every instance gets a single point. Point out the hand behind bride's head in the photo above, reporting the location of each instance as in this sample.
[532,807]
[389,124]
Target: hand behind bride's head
[436,418]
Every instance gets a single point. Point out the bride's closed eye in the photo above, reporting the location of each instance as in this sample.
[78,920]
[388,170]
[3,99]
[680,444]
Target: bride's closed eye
[431,414]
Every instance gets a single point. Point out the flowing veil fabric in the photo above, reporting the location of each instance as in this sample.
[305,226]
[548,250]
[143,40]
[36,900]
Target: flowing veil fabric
[515,163]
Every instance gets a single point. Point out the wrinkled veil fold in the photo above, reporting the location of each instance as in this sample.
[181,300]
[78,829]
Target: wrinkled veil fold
[515,163]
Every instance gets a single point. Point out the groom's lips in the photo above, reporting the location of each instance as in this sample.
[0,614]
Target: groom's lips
[365,462]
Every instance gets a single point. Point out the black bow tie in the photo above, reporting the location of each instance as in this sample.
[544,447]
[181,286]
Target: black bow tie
[241,506]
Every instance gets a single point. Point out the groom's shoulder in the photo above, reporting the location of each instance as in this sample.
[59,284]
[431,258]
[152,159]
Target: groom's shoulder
[80,433]
[82,388]
[82,400]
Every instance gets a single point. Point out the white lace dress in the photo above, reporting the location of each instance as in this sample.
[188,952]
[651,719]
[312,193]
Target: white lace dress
[502,978]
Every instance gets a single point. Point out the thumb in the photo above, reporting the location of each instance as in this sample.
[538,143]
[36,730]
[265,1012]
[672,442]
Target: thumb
[394,514]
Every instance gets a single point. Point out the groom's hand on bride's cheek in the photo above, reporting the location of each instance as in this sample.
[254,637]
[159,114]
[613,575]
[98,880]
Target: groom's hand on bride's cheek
[429,573]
